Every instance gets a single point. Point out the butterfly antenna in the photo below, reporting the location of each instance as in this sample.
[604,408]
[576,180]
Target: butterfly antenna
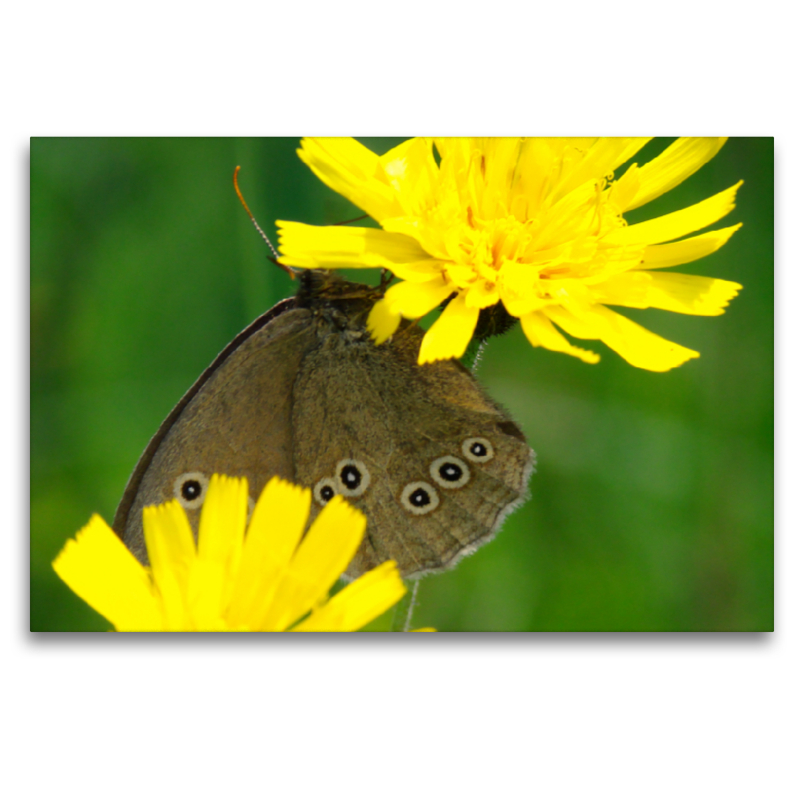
[264,236]
[355,219]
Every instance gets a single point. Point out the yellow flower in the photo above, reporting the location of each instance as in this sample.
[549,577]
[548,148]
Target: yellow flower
[536,224]
[268,580]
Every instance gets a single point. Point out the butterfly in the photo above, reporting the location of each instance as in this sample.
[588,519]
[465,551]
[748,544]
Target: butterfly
[305,393]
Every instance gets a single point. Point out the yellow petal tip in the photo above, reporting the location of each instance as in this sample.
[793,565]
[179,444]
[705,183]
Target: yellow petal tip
[382,322]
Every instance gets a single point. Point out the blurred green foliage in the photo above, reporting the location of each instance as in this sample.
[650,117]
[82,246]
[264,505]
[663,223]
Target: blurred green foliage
[652,508]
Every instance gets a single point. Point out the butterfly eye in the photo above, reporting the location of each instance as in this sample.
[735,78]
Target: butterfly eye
[190,489]
[325,491]
[477,449]
[419,498]
[450,472]
[352,477]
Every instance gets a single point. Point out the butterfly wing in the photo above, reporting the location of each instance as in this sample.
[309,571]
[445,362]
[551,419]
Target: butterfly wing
[235,420]
[394,437]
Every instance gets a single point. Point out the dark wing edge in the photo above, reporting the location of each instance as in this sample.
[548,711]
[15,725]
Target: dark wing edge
[474,546]
[132,487]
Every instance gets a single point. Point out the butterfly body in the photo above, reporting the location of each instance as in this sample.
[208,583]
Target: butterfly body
[304,393]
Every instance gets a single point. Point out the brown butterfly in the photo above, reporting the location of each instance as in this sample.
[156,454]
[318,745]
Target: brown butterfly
[305,393]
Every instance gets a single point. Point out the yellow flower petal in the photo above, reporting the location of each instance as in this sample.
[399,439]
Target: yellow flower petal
[519,293]
[351,169]
[449,336]
[219,546]
[602,158]
[518,307]
[635,144]
[382,322]
[542,333]
[456,149]
[658,256]
[411,171]
[678,223]
[98,567]
[222,523]
[420,271]
[566,219]
[431,238]
[628,289]
[414,300]
[535,172]
[321,558]
[333,246]
[171,551]
[359,602]
[691,294]
[479,295]
[680,160]
[625,189]
[635,344]
[276,527]
[671,291]
[500,157]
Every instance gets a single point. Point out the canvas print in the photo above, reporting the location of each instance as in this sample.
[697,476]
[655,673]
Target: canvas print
[432,384]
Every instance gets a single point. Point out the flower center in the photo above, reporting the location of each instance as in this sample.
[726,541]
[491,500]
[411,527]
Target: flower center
[488,245]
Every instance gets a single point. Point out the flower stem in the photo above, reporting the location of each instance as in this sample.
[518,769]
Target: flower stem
[404,610]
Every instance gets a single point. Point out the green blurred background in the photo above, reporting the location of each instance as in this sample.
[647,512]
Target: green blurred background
[652,508]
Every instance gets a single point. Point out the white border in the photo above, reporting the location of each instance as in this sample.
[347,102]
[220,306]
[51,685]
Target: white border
[504,716]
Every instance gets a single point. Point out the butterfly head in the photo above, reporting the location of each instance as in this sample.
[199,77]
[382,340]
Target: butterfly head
[342,301]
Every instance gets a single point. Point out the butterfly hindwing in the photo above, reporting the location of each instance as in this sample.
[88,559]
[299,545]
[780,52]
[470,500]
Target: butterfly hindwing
[407,428]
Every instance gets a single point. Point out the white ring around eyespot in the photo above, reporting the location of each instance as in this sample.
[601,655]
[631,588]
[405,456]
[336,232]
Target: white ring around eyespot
[417,510]
[444,483]
[178,485]
[320,485]
[467,443]
[343,489]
